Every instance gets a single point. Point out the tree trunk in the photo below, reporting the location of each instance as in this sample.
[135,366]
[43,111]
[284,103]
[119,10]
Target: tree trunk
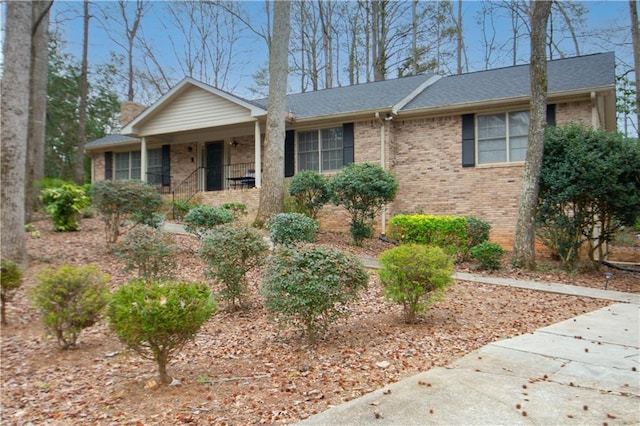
[635,34]
[162,359]
[524,241]
[37,104]
[14,109]
[82,113]
[459,38]
[271,195]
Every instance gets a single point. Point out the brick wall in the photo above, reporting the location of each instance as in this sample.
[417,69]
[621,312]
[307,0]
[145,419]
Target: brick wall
[129,111]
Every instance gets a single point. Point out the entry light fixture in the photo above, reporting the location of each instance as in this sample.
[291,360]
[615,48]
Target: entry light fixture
[234,143]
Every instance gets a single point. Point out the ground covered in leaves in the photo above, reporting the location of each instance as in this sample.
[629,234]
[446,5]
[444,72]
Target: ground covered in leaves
[242,369]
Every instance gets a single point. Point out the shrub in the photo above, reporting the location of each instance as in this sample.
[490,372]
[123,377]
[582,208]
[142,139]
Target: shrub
[10,281]
[149,251]
[179,209]
[156,320]
[477,231]
[239,210]
[488,255]
[290,228]
[311,191]
[122,201]
[231,252]
[415,275]
[64,204]
[363,188]
[70,299]
[309,287]
[201,219]
[446,232]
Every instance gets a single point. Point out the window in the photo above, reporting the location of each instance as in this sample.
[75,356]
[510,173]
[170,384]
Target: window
[321,150]
[502,138]
[127,165]
[154,166]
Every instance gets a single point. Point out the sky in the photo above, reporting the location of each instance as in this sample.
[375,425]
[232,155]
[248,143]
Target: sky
[66,15]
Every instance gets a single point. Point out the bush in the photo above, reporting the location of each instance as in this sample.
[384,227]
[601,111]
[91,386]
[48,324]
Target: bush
[290,228]
[179,209]
[239,210]
[149,251]
[231,252]
[10,281]
[363,188]
[415,275]
[201,219]
[70,299]
[309,287]
[311,191]
[477,231]
[64,204]
[488,255]
[122,201]
[156,320]
[446,232]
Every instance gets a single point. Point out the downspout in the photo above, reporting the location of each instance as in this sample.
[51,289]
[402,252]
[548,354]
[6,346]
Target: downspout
[384,167]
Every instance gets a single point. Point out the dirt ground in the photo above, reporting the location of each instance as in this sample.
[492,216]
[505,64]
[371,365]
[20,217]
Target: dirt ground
[242,369]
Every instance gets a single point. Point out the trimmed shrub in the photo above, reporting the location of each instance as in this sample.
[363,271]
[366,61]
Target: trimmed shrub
[291,228]
[415,276]
[363,189]
[126,201]
[477,231]
[149,251]
[311,191]
[157,319]
[310,287]
[231,252]
[70,299]
[64,204]
[10,281]
[202,219]
[446,232]
[488,255]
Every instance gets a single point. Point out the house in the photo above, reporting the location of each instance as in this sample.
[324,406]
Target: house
[456,144]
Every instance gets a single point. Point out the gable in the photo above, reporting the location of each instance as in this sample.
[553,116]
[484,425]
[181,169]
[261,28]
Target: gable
[194,108]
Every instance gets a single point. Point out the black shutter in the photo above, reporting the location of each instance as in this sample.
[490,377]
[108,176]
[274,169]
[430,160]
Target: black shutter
[166,165]
[289,153]
[551,115]
[468,141]
[347,144]
[108,165]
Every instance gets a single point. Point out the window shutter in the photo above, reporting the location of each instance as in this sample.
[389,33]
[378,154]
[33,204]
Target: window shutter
[166,165]
[551,115]
[468,141]
[347,144]
[289,153]
[108,165]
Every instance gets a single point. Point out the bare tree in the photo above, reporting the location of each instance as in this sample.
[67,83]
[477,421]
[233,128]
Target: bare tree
[635,34]
[325,12]
[14,108]
[272,196]
[84,93]
[524,241]
[37,103]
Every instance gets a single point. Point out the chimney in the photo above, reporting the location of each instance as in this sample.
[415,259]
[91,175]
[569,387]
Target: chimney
[129,111]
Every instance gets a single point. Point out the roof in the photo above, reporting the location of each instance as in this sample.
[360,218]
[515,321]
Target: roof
[109,140]
[378,95]
[564,75]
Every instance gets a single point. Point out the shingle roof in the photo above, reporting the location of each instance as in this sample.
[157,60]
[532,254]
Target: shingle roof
[111,140]
[360,97]
[581,72]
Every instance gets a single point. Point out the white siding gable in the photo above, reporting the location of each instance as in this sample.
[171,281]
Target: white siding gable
[193,109]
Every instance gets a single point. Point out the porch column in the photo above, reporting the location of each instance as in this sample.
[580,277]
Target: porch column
[258,155]
[143,159]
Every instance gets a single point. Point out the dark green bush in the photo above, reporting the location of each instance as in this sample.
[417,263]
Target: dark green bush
[230,253]
[64,204]
[310,287]
[477,231]
[70,299]
[10,281]
[488,255]
[446,232]
[179,209]
[311,191]
[202,219]
[157,319]
[128,202]
[414,276]
[150,252]
[363,189]
[291,228]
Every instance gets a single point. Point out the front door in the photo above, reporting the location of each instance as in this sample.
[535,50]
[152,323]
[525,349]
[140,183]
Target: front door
[215,166]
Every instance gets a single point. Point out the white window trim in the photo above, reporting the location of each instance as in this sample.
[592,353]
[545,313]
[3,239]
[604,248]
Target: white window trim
[319,132]
[508,151]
